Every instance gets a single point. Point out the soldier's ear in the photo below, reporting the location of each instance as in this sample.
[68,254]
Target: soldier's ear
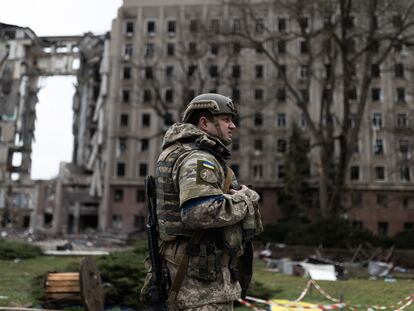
[203,123]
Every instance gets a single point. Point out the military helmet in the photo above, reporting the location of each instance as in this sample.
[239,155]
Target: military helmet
[215,103]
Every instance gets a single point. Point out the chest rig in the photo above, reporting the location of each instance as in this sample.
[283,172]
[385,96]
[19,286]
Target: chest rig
[168,201]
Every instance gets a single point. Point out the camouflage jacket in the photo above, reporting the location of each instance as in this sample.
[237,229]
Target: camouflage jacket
[199,178]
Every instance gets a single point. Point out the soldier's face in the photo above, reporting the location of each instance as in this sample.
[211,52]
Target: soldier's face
[222,127]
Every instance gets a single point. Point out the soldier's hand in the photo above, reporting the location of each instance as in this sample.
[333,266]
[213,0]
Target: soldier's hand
[242,188]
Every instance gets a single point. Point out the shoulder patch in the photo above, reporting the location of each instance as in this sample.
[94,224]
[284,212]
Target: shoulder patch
[206,172]
[209,165]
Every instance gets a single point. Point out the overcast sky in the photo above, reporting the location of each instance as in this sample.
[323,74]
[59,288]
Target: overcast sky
[53,133]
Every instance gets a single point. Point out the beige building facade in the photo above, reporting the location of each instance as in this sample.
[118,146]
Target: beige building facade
[159,59]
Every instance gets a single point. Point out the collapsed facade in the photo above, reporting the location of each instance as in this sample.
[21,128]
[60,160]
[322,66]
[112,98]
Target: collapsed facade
[134,82]
[18,96]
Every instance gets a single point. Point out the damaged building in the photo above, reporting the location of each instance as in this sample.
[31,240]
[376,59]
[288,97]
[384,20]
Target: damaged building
[19,51]
[79,184]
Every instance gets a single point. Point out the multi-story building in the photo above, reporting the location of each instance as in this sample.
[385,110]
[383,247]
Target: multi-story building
[19,51]
[161,57]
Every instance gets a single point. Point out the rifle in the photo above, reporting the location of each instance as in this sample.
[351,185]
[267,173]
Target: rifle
[160,281]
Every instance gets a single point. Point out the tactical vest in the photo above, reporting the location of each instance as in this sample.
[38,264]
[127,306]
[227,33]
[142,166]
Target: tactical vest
[168,201]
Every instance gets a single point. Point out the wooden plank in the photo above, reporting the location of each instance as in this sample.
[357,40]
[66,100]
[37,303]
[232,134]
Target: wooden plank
[57,283]
[62,296]
[63,289]
[63,276]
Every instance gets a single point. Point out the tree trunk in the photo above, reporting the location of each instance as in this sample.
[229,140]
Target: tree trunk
[323,185]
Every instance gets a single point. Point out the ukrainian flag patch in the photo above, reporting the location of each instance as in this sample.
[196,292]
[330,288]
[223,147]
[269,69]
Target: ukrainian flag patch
[208,165]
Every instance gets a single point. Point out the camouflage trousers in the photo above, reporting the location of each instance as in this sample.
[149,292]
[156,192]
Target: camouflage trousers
[210,307]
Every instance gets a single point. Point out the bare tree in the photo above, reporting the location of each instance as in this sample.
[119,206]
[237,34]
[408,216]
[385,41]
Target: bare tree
[196,63]
[336,46]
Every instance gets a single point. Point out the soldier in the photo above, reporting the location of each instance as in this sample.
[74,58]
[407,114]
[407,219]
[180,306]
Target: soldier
[205,224]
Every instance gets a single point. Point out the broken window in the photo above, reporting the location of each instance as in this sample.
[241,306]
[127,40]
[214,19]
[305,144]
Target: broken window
[281,71]
[379,173]
[193,25]
[118,195]
[169,95]
[147,96]
[281,95]
[128,49]
[259,71]
[214,48]
[120,169]
[259,25]
[402,120]
[213,71]
[171,27]
[400,95]
[404,147]
[168,119]
[142,169]
[304,71]
[303,47]
[281,24]
[122,144]
[169,71]
[148,72]
[125,96]
[379,146]
[144,144]
[123,120]
[146,120]
[383,228]
[149,50]
[376,94]
[377,120]
[303,23]
[126,73]
[236,25]
[258,145]
[129,28]
[258,119]
[235,94]
[236,48]
[281,172]
[236,71]
[170,49]
[354,172]
[151,28]
[399,70]
[258,94]
[405,173]
[281,120]
[191,70]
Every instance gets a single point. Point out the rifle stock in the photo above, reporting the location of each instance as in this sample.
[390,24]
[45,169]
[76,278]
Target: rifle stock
[160,282]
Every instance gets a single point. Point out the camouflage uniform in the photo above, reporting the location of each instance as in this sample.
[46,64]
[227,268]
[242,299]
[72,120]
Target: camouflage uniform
[198,176]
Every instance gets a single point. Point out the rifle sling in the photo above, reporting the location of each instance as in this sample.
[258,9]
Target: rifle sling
[182,268]
[195,240]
